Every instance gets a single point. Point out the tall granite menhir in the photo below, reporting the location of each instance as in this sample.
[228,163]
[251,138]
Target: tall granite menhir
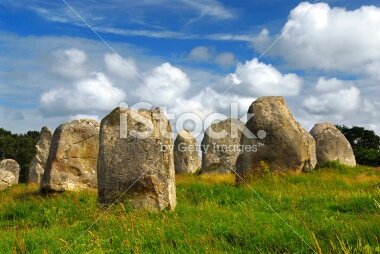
[286,147]
[37,166]
[136,160]
[73,155]
[186,157]
[220,146]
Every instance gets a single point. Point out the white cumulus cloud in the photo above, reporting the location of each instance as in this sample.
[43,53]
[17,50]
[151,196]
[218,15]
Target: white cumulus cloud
[333,84]
[333,97]
[330,39]
[209,55]
[225,59]
[200,53]
[163,85]
[208,104]
[69,63]
[88,96]
[122,67]
[259,79]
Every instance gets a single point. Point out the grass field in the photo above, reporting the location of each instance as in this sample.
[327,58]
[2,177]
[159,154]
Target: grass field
[334,210]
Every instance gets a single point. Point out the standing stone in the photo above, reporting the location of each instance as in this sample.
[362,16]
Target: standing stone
[37,166]
[136,159]
[332,145]
[11,166]
[220,146]
[72,159]
[186,158]
[7,179]
[286,146]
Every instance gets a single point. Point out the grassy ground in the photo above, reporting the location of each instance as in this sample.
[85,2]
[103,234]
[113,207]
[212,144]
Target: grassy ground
[334,210]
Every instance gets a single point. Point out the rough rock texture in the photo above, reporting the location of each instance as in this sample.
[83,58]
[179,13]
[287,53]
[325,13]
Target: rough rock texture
[37,166]
[186,157]
[332,145]
[286,146]
[7,179]
[72,159]
[136,161]
[11,166]
[220,146]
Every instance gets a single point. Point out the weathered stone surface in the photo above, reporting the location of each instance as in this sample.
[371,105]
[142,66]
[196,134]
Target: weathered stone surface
[332,145]
[37,166]
[220,146]
[72,159]
[136,161]
[11,166]
[7,179]
[186,157]
[286,146]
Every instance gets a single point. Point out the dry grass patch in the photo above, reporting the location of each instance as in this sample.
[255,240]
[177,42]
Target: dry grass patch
[206,179]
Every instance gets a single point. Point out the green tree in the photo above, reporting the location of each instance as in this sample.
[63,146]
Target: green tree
[365,143]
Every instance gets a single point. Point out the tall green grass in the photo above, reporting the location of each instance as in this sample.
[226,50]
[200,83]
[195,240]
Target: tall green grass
[333,209]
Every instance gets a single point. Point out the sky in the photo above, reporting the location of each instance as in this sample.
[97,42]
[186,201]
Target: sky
[64,60]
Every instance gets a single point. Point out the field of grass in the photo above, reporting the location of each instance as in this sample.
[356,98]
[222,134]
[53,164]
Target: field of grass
[331,210]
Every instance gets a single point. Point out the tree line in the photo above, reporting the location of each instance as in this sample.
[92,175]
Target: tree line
[19,147]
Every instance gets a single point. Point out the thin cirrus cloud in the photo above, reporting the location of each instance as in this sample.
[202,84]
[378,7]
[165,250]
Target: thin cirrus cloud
[167,34]
[96,12]
[210,8]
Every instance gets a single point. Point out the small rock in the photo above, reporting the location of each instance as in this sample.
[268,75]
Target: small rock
[11,166]
[7,179]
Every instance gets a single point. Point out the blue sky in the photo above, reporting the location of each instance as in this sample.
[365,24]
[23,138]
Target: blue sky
[200,55]
[173,21]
